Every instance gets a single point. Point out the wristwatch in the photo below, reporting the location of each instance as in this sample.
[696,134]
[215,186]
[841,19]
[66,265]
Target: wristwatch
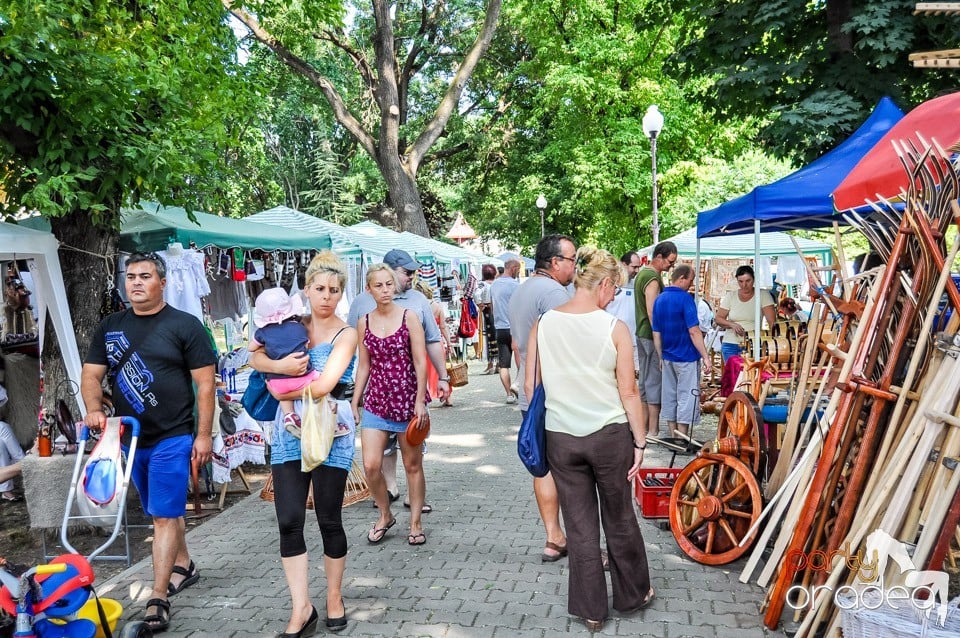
[447,379]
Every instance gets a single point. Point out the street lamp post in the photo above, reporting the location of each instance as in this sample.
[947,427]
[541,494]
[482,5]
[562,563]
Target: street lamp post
[652,125]
[542,205]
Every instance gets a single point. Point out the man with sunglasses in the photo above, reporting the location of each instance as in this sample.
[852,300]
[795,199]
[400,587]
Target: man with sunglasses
[556,261]
[647,287]
[155,354]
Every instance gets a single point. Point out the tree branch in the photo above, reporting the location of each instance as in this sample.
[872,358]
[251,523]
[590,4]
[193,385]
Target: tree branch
[359,60]
[303,68]
[444,110]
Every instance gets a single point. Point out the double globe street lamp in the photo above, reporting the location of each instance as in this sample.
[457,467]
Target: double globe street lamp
[652,125]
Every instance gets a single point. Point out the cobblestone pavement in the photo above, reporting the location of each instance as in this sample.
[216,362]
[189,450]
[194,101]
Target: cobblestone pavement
[479,574]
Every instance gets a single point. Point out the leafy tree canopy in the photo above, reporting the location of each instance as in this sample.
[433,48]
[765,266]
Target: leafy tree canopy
[104,102]
[816,69]
[567,86]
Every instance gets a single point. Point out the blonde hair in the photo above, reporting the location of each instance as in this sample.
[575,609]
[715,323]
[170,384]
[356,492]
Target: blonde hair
[375,268]
[424,288]
[326,263]
[594,265]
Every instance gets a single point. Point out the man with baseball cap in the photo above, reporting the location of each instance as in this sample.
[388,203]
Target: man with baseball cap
[406,267]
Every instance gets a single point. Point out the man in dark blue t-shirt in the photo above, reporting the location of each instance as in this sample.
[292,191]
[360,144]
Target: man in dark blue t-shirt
[155,354]
[679,342]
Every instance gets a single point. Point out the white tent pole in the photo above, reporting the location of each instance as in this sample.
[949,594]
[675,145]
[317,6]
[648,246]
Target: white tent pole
[696,275]
[756,289]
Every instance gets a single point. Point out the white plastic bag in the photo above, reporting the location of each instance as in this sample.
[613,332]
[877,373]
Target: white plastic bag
[318,424]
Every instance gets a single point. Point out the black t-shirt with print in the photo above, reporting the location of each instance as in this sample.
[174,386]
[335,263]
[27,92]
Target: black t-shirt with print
[154,384]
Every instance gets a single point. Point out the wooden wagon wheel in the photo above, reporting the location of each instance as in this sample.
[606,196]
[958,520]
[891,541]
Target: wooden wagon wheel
[739,430]
[714,502]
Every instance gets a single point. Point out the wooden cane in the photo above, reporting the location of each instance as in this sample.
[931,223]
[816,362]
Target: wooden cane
[802,530]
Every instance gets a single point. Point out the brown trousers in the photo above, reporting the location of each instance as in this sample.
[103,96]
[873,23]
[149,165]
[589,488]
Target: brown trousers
[591,471]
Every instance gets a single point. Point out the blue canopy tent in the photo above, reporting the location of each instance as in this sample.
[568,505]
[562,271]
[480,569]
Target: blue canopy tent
[802,199]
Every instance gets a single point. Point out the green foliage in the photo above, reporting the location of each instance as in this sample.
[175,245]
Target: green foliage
[816,69]
[559,109]
[103,102]
[329,199]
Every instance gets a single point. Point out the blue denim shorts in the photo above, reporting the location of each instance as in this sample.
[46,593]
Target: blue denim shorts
[161,474]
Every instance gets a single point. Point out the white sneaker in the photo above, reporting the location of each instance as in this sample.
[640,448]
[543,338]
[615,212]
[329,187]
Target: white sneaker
[515,389]
[511,400]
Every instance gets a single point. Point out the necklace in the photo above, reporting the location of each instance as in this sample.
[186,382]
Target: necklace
[545,273]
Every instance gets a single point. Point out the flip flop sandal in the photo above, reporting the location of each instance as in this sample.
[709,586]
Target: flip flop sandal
[390,495]
[191,576]
[160,621]
[416,539]
[376,534]
[425,509]
[552,558]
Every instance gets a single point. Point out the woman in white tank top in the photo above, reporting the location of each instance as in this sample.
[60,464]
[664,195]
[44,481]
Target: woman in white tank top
[595,436]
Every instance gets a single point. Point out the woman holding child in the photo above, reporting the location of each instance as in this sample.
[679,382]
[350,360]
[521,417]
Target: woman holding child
[331,347]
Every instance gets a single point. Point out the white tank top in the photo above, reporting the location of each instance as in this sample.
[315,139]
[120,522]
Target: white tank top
[578,366]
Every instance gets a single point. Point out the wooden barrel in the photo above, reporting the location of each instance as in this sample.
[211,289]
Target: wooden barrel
[777,349]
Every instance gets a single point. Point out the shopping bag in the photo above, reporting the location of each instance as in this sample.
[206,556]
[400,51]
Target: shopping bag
[257,400]
[318,424]
[532,440]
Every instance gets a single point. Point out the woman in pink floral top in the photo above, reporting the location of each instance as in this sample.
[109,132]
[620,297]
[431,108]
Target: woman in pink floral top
[392,381]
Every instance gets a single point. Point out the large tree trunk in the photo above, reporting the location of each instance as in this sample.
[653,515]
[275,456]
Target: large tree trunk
[85,252]
[404,198]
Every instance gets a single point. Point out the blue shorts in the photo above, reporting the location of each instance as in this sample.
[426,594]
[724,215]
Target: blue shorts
[161,475]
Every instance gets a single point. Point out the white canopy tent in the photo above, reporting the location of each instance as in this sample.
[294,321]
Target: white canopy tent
[17,242]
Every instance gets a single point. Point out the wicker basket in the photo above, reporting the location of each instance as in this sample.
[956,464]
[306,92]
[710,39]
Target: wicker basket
[355,491]
[457,371]
[887,622]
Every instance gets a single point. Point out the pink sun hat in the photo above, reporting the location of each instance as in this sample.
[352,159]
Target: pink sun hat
[274,305]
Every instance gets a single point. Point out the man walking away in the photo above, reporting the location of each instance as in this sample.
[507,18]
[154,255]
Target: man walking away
[679,343]
[501,291]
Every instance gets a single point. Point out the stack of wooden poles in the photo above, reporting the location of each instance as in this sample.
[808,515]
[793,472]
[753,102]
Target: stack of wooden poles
[873,436]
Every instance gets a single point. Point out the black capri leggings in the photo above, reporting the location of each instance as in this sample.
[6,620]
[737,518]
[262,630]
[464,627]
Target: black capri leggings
[290,487]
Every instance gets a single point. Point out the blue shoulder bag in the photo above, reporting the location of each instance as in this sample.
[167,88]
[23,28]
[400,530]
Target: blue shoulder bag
[532,440]
[257,400]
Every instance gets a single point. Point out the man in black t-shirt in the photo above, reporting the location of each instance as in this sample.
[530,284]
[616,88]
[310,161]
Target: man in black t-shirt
[155,354]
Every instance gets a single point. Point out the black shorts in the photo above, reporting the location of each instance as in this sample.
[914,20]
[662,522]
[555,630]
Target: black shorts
[504,347]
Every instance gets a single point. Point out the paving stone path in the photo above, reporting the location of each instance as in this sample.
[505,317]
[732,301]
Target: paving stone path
[479,574]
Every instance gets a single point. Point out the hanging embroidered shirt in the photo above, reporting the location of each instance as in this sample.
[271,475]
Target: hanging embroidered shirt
[186,281]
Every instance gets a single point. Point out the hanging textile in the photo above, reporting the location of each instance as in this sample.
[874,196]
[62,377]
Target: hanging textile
[186,280]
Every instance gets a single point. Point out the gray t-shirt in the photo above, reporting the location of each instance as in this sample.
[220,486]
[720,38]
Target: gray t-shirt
[364,304]
[501,290]
[533,297]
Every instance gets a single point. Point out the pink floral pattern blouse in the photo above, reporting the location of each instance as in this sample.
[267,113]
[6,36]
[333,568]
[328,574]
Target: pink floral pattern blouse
[392,383]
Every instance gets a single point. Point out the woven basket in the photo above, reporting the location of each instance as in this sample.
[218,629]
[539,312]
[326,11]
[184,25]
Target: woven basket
[887,622]
[355,491]
[457,371]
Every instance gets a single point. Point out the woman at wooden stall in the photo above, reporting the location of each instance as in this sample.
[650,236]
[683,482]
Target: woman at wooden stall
[595,437]
[392,384]
[332,346]
[737,312]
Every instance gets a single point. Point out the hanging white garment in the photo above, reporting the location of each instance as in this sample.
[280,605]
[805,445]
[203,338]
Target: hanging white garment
[790,270]
[186,281]
[764,273]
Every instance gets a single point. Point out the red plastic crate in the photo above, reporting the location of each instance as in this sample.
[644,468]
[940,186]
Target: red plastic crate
[654,501]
